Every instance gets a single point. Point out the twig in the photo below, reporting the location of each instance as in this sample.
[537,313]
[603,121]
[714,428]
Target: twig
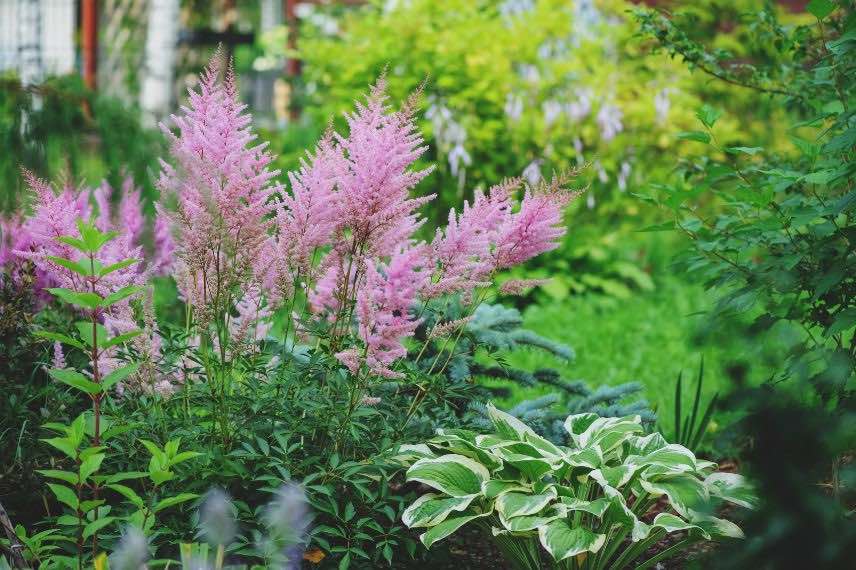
[15,546]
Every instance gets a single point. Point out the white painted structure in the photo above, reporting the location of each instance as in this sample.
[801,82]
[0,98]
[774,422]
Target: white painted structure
[37,38]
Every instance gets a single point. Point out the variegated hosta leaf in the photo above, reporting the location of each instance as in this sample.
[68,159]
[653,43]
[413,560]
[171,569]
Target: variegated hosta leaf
[455,443]
[596,507]
[431,509]
[685,492]
[673,523]
[616,477]
[562,541]
[547,448]
[716,527]
[532,467]
[514,504]
[410,453]
[507,425]
[447,527]
[587,430]
[455,475]
[590,457]
[732,488]
[493,488]
[645,444]
[671,458]
[532,522]
[620,514]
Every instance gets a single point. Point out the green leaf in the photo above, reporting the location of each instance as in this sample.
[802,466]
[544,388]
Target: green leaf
[64,445]
[820,9]
[65,339]
[733,488]
[117,266]
[121,338]
[685,492]
[74,266]
[96,525]
[121,295]
[597,507]
[708,115]
[64,495]
[431,509]
[752,150]
[85,330]
[844,320]
[175,500]
[533,522]
[507,425]
[698,136]
[447,527]
[118,375]
[672,523]
[90,466]
[562,541]
[74,379]
[80,299]
[716,527]
[67,476]
[515,504]
[73,242]
[128,493]
[452,474]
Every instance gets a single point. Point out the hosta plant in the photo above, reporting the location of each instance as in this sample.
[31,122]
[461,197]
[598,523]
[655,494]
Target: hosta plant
[585,505]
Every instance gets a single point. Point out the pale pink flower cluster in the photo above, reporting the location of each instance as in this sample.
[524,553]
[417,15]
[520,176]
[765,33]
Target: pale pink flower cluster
[223,188]
[345,232]
[519,286]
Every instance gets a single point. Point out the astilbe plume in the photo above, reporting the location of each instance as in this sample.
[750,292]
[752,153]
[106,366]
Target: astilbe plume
[223,189]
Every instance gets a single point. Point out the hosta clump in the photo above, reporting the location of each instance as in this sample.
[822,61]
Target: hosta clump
[585,505]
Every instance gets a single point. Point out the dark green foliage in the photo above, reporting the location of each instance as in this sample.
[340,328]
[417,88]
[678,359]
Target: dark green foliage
[773,233]
[61,128]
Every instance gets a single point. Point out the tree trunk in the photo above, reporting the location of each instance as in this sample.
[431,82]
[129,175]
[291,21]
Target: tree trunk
[161,45]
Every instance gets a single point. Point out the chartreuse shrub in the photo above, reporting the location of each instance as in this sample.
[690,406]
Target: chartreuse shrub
[582,504]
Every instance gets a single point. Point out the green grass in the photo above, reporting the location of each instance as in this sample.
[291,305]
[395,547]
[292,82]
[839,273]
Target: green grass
[648,338]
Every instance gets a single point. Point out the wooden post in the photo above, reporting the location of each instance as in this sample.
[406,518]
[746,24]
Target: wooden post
[89,29]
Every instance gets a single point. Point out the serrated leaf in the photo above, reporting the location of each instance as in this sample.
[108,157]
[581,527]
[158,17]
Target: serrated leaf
[118,375]
[708,115]
[96,525]
[117,266]
[81,299]
[85,330]
[121,295]
[64,495]
[74,379]
[820,9]
[175,500]
[128,493]
[74,266]
[64,445]
[698,136]
[121,338]
[67,476]
[90,465]
[65,339]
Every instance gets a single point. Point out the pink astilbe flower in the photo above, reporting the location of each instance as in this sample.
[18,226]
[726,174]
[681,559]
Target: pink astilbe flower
[308,216]
[518,286]
[58,356]
[383,309]
[463,248]
[131,217]
[535,228]
[222,184]
[374,191]
[163,245]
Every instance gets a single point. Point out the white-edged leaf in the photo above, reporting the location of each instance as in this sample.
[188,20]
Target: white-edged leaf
[431,509]
[733,488]
[514,504]
[446,528]
[532,522]
[596,507]
[562,541]
[507,425]
[685,492]
[452,474]
[495,487]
